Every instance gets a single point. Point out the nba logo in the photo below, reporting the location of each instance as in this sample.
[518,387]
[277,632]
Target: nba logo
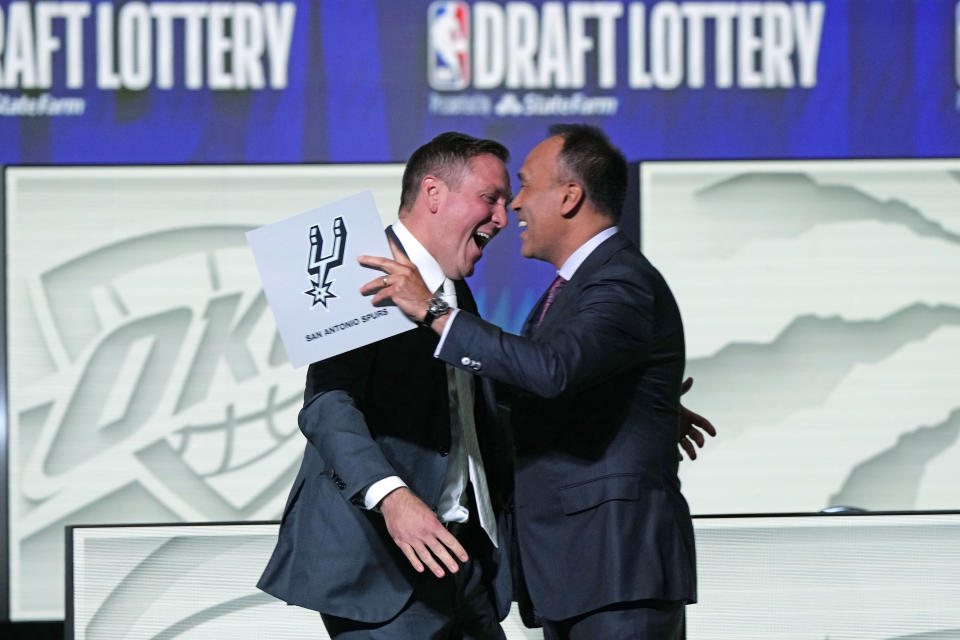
[448,51]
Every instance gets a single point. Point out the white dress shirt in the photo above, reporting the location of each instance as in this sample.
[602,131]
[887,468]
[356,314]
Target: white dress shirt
[433,277]
[464,462]
[571,264]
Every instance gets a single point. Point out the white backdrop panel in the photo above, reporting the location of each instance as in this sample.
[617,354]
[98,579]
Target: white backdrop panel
[865,577]
[821,305]
[146,381]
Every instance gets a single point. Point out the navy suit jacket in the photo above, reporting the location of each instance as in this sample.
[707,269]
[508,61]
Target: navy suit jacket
[599,514]
[373,412]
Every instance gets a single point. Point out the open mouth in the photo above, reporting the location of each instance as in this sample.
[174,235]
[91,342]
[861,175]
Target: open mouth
[481,238]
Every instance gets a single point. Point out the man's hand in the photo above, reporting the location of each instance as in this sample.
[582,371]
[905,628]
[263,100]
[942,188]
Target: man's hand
[402,285]
[691,424]
[418,533]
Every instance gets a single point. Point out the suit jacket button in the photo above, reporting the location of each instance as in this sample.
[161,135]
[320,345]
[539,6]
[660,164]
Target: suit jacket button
[341,484]
[475,365]
[465,361]
[444,452]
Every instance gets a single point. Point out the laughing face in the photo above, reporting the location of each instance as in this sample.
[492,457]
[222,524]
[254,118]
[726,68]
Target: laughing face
[471,214]
[539,200]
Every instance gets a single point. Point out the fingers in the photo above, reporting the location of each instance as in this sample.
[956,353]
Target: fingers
[430,561]
[696,436]
[701,423]
[411,556]
[416,531]
[692,426]
[692,419]
[437,546]
[450,542]
[400,262]
[439,551]
[378,284]
[432,551]
[374,286]
[396,272]
[398,253]
[376,262]
[402,286]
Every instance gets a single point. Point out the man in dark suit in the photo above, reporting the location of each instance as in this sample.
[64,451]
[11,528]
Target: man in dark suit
[605,536]
[394,527]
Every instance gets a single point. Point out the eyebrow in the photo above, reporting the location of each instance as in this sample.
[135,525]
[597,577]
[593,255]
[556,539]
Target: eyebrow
[506,193]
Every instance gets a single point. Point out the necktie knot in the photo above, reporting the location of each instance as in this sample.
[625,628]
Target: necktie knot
[448,292]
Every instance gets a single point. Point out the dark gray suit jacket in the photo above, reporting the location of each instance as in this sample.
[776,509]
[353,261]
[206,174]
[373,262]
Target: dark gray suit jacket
[599,513]
[373,412]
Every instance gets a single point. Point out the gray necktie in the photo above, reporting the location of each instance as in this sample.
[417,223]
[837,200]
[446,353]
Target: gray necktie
[461,384]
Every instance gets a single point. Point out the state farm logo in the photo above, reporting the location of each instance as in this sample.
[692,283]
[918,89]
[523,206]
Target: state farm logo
[448,51]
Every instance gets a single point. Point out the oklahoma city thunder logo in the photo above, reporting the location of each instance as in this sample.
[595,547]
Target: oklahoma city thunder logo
[319,268]
[448,51]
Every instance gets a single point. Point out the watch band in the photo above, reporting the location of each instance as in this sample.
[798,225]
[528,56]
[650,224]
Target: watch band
[435,308]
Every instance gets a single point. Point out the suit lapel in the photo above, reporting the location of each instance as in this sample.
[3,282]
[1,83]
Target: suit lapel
[528,324]
[465,299]
[559,310]
[392,235]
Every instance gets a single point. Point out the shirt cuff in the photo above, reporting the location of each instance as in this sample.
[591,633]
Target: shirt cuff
[379,490]
[446,329]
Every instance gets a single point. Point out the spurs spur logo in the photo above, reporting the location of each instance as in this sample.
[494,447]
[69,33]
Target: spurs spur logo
[319,268]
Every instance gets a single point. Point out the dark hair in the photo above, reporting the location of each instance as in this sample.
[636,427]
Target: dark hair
[446,157]
[589,158]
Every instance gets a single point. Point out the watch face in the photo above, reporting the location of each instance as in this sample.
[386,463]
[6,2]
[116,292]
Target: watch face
[438,306]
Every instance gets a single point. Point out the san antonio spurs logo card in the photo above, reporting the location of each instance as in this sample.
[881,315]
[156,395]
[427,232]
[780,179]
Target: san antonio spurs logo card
[308,266]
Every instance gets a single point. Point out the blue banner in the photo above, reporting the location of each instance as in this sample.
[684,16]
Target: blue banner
[368,80]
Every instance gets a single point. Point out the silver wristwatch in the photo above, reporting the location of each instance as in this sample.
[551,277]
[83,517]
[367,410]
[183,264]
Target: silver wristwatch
[435,308]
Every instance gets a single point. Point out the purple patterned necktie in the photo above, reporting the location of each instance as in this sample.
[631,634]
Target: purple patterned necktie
[552,292]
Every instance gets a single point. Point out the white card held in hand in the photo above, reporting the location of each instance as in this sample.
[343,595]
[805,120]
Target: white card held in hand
[308,266]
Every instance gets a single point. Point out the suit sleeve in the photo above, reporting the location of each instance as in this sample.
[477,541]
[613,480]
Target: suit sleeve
[609,329]
[336,427]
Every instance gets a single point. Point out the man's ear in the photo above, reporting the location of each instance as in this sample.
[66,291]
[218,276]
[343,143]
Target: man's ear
[431,190]
[573,197]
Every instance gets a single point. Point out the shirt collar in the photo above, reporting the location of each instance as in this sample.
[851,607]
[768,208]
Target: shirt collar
[570,266]
[429,268]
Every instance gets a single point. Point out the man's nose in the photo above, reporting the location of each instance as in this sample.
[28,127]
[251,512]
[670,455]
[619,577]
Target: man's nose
[500,216]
